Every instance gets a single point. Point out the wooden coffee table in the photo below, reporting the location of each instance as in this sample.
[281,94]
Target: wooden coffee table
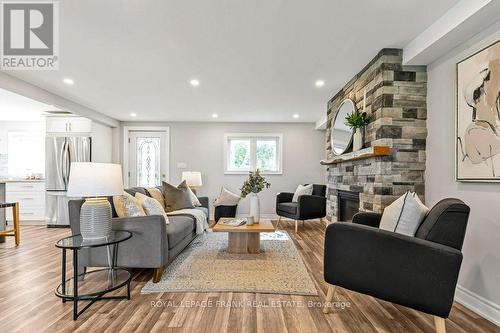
[244,239]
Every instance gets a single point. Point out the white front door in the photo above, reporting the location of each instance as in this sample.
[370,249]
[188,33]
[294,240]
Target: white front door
[148,158]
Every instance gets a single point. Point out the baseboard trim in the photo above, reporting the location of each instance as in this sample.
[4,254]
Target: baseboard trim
[478,304]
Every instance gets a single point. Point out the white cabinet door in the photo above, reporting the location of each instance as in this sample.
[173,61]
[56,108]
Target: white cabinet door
[79,125]
[31,199]
[57,124]
[68,125]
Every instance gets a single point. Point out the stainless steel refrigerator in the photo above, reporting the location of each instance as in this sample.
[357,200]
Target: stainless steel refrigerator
[60,153]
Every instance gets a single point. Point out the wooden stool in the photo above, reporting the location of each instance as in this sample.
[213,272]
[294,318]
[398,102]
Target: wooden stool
[16,232]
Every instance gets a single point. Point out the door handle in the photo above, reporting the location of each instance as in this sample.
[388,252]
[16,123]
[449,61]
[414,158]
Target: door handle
[64,161]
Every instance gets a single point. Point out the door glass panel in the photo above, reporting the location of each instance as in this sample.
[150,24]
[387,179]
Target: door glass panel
[148,161]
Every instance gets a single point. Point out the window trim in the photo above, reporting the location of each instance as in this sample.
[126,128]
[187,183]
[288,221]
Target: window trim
[253,137]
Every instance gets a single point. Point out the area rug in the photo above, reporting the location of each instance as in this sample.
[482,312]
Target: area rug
[205,266]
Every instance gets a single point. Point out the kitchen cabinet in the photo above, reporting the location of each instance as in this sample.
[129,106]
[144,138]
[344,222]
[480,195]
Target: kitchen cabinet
[68,125]
[31,198]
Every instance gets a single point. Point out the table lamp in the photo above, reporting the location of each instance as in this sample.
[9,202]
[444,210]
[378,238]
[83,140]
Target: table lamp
[95,182]
[193,179]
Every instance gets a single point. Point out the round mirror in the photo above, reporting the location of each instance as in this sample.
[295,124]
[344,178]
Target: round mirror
[340,133]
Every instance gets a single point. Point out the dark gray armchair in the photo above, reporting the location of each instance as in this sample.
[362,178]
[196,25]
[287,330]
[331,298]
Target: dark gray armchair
[307,207]
[419,272]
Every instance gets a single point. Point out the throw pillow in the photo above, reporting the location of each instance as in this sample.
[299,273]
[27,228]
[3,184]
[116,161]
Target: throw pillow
[227,198]
[404,215]
[156,194]
[194,198]
[302,190]
[127,206]
[151,206]
[177,197]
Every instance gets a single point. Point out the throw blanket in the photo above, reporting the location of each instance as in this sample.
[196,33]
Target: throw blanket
[200,217]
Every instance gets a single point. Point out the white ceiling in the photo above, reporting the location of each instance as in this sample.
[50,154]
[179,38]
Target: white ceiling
[14,107]
[255,60]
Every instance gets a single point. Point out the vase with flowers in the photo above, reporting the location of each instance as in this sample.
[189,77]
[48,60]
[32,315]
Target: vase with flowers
[357,121]
[254,184]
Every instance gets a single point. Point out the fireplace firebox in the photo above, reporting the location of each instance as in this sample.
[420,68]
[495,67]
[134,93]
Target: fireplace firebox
[348,205]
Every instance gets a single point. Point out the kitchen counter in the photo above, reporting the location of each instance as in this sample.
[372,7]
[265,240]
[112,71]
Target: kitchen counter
[20,180]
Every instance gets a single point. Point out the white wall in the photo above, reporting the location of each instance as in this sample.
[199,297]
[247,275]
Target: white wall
[102,143]
[201,146]
[479,281]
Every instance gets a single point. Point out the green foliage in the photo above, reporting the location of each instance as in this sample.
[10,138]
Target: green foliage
[240,155]
[265,154]
[254,183]
[357,120]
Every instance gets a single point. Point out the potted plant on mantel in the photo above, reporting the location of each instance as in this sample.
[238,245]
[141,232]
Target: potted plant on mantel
[254,184]
[357,121]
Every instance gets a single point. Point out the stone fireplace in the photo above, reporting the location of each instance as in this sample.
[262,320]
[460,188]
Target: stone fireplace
[394,95]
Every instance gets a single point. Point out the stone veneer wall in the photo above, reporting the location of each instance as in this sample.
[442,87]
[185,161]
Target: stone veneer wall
[396,102]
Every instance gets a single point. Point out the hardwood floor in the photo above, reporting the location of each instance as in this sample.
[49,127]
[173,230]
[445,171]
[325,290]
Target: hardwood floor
[30,272]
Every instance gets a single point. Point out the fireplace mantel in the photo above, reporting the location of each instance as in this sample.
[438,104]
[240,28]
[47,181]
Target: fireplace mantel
[359,155]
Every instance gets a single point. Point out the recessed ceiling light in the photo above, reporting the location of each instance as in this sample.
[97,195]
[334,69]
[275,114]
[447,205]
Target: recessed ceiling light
[215,115]
[319,83]
[69,81]
[296,116]
[194,82]
[133,114]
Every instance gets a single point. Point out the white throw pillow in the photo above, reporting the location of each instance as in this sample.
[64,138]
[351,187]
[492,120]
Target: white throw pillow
[302,190]
[194,198]
[404,215]
[227,198]
[151,206]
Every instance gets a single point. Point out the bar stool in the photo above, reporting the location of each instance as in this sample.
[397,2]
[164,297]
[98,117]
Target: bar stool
[16,232]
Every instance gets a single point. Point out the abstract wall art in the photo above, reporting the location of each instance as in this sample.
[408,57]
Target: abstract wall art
[478,116]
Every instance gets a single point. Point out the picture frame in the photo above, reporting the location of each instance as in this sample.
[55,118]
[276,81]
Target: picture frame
[477,116]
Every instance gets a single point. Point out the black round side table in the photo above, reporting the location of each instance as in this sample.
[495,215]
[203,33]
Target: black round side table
[94,284]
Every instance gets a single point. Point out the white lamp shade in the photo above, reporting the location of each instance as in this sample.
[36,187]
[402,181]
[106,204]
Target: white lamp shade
[192,178]
[88,179]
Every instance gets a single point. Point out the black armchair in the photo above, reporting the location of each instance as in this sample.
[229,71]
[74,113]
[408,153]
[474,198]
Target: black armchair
[307,207]
[419,272]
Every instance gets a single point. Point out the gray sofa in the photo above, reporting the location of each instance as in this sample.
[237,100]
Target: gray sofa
[154,243]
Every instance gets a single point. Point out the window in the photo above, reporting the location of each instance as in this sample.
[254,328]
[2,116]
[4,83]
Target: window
[246,152]
[26,153]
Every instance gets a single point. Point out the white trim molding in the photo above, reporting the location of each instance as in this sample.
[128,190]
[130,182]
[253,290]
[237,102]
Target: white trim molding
[478,304]
[145,128]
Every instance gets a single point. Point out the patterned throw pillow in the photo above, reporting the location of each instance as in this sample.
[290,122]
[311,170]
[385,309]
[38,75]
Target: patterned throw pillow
[127,206]
[151,206]
[156,194]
